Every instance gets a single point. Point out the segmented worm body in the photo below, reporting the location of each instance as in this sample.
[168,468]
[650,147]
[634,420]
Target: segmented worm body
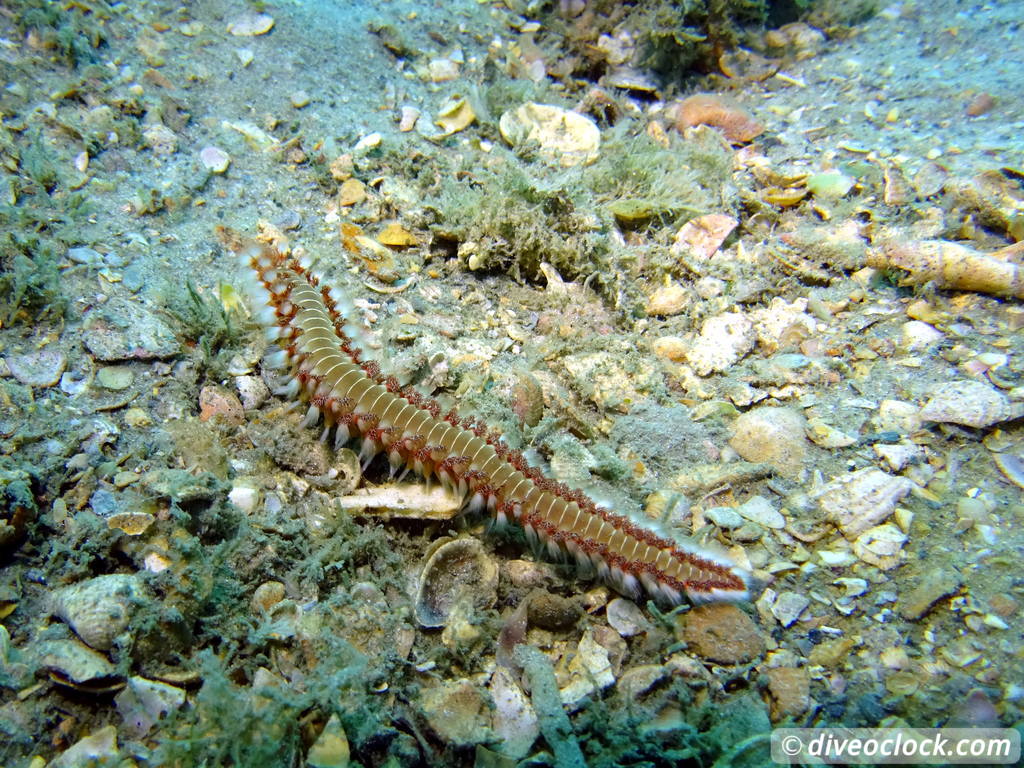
[317,348]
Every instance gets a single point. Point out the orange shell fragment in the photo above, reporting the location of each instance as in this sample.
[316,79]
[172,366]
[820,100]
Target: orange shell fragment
[735,123]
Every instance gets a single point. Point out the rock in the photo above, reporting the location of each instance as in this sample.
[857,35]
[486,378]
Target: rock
[409,116]
[790,692]
[723,341]
[442,70]
[899,455]
[861,499]
[600,377]
[772,435]
[827,436]
[553,612]
[589,670]
[98,748]
[898,416]
[299,99]
[115,377]
[352,192]
[252,391]
[267,595]
[919,335]
[881,546]
[454,710]
[672,348]
[935,584]
[720,632]
[161,139]
[221,405]
[781,324]
[626,618]
[971,403]
[42,368]
[123,330]
[144,702]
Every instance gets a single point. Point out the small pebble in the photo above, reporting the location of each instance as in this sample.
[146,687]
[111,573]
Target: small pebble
[626,618]
[759,510]
[407,122]
[724,517]
[668,300]
[299,99]
[84,256]
[115,377]
[267,595]
[252,391]
[214,160]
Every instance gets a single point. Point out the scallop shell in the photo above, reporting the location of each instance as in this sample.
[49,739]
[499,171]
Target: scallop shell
[971,403]
[456,570]
[98,610]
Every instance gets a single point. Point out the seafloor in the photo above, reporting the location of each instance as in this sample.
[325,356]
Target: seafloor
[782,318]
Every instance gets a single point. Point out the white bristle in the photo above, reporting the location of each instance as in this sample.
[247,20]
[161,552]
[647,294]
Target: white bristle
[312,416]
[272,333]
[289,390]
[277,360]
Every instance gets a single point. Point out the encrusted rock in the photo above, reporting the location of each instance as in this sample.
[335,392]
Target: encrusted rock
[554,612]
[790,691]
[772,435]
[723,340]
[454,710]
[721,632]
[935,584]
